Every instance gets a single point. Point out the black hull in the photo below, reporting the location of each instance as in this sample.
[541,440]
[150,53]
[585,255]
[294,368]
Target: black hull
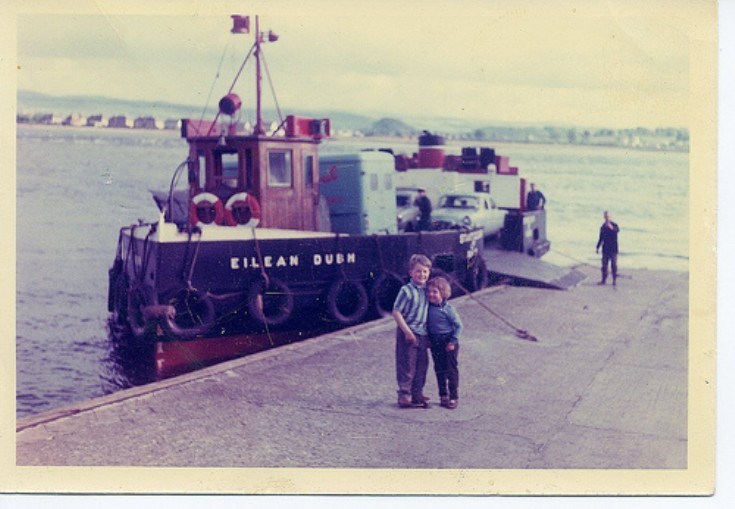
[193,289]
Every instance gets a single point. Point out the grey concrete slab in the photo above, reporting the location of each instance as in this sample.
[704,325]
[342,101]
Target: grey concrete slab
[605,386]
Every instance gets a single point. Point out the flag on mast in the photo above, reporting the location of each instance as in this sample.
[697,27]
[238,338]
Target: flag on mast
[240,24]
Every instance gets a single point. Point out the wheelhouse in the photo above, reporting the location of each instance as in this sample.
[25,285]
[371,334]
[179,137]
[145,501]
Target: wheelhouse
[278,174]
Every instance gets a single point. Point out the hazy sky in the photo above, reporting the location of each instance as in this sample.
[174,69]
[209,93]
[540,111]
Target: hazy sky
[593,63]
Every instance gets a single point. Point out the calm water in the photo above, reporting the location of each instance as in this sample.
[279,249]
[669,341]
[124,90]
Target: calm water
[77,187]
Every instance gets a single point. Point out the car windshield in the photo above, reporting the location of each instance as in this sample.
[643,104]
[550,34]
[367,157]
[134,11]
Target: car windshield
[403,200]
[459,202]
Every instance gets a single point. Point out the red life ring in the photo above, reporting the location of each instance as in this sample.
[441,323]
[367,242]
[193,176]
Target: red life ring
[234,214]
[200,201]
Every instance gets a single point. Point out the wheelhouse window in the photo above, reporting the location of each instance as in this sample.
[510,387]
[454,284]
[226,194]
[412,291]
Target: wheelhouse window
[280,172]
[195,175]
[309,172]
[230,170]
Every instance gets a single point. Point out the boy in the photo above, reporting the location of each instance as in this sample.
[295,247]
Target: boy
[410,311]
[445,327]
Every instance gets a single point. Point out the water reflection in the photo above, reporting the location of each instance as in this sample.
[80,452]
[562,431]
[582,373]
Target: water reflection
[129,363]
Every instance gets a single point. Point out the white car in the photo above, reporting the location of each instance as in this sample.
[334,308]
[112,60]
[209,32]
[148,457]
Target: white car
[407,214]
[468,210]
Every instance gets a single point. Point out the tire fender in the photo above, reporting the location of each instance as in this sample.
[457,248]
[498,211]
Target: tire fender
[476,274]
[193,314]
[384,292]
[270,304]
[138,298]
[347,301]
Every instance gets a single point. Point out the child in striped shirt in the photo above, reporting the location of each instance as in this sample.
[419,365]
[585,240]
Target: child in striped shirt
[410,311]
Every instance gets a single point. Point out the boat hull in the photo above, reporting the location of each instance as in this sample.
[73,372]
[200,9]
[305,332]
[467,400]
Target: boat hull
[201,299]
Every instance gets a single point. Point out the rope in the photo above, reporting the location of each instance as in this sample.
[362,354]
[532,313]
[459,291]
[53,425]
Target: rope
[216,77]
[273,90]
[174,180]
[580,262]
[260,259]
[267,283]
[193,262]
[520,333]
[336,250]
[380,253]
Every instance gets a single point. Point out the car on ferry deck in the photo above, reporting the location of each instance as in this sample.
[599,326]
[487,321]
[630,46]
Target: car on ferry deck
[407,213]
[468,210]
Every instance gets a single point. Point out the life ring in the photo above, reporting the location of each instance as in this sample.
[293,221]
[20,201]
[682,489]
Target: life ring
[270,304]
[384,292]
[238,215]
[193,313]
[476,274]
[198,206]
[347,301]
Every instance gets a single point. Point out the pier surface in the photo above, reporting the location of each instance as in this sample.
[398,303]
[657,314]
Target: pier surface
[604,387]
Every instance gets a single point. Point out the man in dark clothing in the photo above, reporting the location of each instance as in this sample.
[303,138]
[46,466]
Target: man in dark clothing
[609,242]
[536,199]
[424,204]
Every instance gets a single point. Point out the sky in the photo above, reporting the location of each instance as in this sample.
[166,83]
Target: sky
[595,63]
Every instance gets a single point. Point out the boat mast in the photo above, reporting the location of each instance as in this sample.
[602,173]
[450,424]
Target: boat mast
[259,119]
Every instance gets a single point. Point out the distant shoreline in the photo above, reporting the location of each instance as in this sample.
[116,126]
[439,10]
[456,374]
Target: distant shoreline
[372,138]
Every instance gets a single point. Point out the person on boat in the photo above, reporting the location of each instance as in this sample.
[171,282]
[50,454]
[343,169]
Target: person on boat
[410,310]
[424,204]
[609,242]
[445,327]
[536,199]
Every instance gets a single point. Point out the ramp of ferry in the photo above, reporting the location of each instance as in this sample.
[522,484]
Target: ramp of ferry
[528,270]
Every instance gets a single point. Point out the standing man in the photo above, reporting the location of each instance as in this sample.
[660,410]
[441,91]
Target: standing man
[424,204]
[536,199]
[609,242]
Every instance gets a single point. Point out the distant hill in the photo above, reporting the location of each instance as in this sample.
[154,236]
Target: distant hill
[664,138]
[32,103]
[390,127]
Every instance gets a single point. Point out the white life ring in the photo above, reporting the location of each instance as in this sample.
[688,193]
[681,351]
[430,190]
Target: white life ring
[212,200]
[251,203]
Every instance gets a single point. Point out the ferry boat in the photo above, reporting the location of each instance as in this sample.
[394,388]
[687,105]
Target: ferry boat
[244,256]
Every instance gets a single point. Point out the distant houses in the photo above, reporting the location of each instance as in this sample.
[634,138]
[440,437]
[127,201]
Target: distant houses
[98,120]
[669,139]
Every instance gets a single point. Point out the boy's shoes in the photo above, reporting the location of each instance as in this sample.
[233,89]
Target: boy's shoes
[404,402]
[444,401]
[420,402]
[452,404]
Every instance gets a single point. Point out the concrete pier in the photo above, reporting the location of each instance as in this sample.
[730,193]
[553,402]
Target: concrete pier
[606,386]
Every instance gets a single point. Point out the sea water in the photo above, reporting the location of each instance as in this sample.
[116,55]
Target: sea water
[77,186]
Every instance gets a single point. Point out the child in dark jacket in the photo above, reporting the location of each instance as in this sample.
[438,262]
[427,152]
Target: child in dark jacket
[445,327]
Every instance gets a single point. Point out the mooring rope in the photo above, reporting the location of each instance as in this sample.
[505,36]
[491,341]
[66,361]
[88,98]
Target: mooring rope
[520,333]
[273,90]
